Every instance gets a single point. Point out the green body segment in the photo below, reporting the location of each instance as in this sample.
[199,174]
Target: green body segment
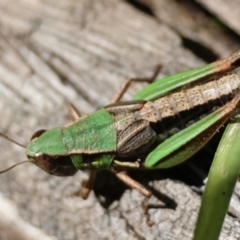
[49,143]
[170,83]
[102,161]
[95,133]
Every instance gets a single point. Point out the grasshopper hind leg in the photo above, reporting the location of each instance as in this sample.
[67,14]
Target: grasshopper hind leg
[119,94]
[123,176]
[133,184]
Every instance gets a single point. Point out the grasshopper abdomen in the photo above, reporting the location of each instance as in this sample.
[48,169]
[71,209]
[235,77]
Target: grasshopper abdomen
[178,110]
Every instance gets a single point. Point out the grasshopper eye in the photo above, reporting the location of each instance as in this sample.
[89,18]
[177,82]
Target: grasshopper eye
[38,133]
[47,163]
[59,166]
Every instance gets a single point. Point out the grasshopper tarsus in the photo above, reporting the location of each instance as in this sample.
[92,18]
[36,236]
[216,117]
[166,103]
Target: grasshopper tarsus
[141,189]
[145,208]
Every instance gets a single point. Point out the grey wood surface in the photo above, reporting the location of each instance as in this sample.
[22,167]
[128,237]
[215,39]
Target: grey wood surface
[55,52]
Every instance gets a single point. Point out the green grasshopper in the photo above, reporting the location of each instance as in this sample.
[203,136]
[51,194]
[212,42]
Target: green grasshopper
[166,123]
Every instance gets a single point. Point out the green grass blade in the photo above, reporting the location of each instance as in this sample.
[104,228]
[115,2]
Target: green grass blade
[221,181]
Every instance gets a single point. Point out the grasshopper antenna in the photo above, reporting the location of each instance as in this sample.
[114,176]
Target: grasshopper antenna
[11,140]
[13,166]
[19,144]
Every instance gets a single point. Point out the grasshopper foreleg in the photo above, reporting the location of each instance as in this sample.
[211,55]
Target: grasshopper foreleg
[87,185]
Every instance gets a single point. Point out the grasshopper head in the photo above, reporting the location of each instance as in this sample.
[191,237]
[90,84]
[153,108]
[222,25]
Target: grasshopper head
[37,152]
[47,152]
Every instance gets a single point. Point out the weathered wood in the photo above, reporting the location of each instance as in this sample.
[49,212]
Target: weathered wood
[193,24]
[54,52]
[227,12]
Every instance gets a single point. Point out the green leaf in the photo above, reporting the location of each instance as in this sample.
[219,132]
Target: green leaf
[220,185]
